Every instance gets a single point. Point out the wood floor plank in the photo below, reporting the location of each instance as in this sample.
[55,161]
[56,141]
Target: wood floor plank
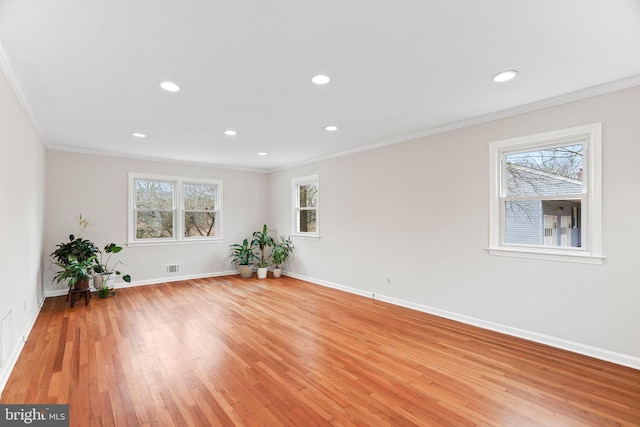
[228,351]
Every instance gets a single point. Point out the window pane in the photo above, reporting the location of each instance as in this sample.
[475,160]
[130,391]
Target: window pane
[154,195]
[199,197]
[308,194]
[198,224]
[154,224]
[549,223]
[548,171]
[307,221]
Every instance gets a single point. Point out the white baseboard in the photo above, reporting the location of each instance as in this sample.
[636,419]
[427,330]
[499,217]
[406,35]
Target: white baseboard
[6,371]
[122,285]
[575,347]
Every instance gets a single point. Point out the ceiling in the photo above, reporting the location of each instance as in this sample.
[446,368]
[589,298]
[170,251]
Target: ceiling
[88,72]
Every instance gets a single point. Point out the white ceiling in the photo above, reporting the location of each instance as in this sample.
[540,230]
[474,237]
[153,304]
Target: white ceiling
[88,72]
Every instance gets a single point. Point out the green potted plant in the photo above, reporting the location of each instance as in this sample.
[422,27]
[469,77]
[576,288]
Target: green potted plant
[261,240]
[280,253]
[76,271]
[243,256]
[76,248]
[105,272]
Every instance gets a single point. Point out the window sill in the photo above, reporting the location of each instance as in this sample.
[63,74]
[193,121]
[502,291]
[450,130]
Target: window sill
[306,236]
[581,257]
[173,242]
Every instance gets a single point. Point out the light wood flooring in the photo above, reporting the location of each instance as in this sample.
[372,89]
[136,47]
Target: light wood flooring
[282,352]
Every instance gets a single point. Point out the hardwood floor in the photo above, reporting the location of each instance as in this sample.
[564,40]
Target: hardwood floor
[229,351]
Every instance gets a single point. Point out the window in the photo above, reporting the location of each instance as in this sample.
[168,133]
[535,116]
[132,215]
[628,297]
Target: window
[546,196]
[199,210]
[306,205]
[154,209]
[171,209]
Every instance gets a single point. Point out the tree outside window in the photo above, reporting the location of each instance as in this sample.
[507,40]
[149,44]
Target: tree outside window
[199,210]
[306,192]
[174,209]
[154,209]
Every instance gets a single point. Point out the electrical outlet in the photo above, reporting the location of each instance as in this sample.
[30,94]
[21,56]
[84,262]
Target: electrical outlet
[388,280]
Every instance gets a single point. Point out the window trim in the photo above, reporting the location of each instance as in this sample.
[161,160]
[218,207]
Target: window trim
[178,210]
[591,137]
[296,183]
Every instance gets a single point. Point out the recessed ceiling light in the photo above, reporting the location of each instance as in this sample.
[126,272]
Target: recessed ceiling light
[139,135]
[320,79]
[262,153]
[230,132]
[504,76]
[331,128]
[170,86]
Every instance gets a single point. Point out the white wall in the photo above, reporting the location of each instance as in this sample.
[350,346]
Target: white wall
[22,164]
[97,188]
[418,212]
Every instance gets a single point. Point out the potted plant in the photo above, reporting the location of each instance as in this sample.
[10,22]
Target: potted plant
[261,240]
[105,272]
[243,256]
[280,253]
[76,248]
[76,271]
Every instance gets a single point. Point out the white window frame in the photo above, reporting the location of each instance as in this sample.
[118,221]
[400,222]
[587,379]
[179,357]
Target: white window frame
[178,210]
[296,183]
[591,197]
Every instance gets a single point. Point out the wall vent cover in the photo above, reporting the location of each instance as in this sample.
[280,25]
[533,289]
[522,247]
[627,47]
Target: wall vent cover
[171,268]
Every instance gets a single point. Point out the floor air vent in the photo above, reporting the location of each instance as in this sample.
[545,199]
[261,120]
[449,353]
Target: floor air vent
[171,268]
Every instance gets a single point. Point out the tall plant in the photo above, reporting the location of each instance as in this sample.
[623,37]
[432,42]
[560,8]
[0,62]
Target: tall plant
[261,240]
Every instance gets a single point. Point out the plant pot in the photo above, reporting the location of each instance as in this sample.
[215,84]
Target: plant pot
[262,272]
[246,271]
[277,272]
[82,284]
[99,280]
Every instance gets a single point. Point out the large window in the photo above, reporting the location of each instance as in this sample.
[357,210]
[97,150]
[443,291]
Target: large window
[171,209]
[154,209]
[546,196]
[306,206]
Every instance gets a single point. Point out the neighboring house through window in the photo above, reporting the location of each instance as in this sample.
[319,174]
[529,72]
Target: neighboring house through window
[173,209]
[546,195]
[306,206]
